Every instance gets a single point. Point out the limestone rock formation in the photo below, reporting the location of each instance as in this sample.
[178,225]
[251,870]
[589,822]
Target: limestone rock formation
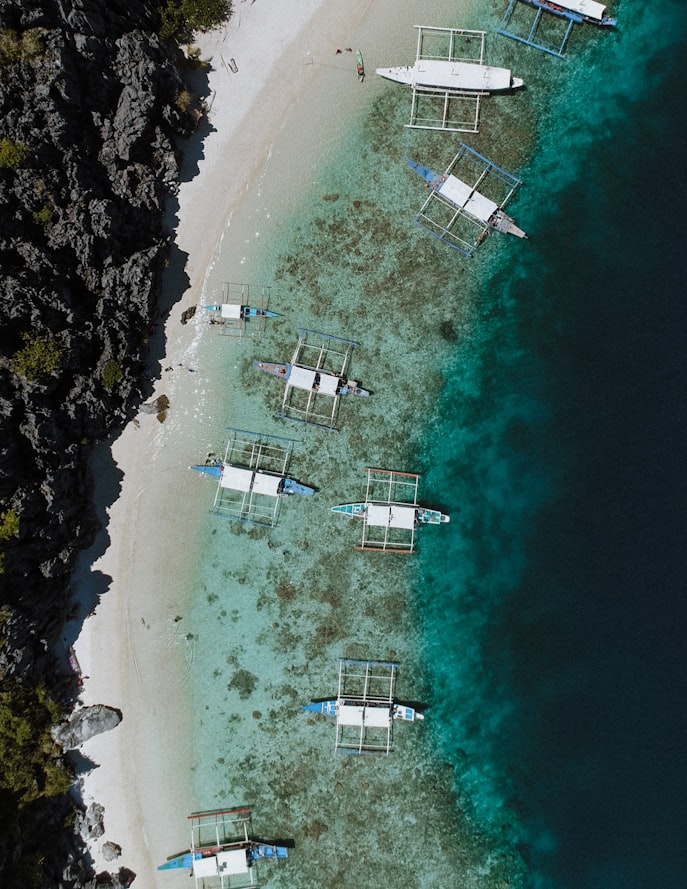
[85,723]
[93,112]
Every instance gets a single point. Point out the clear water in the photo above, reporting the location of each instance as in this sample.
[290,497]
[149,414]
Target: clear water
[530,388]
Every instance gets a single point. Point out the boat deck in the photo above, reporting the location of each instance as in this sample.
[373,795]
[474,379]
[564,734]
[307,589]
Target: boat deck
[229,320]
[364,711]
[390,513]
[223,853]
[464,204]
[253,469]
[453,108]
[316,379]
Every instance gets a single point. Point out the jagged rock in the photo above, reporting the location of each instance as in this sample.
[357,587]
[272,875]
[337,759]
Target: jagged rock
[91,823]
[187,314]
[84,724]
[158,406]
[121,880]
[83,246]
[111,851]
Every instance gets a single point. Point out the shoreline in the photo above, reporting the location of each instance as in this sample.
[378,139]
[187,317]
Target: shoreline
[132,650]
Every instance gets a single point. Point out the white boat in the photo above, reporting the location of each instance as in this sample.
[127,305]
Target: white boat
[365,707]
[390,512]
[449,78]
[455,76]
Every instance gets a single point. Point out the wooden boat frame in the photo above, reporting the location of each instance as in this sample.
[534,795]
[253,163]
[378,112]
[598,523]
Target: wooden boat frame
[365,689]
[243,295]
[252,450]
[452,110]
[452,224]
[318,352]
[528,32]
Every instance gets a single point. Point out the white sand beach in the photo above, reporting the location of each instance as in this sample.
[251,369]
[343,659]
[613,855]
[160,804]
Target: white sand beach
[132,651]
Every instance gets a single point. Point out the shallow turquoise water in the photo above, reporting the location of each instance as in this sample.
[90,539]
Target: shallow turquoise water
[461,358]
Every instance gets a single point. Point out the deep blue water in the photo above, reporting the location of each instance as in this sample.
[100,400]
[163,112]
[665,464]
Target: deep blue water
[558,609]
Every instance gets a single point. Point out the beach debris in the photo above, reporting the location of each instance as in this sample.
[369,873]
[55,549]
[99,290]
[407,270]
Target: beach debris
[187,314]
[84,724]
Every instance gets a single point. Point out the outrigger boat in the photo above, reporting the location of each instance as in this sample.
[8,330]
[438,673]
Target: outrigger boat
[365,708]
[461,207]
[223,853]
[359,65]
[252,478]
[315,374]
[449,78]
[390,512]
[235,313]
[572,12]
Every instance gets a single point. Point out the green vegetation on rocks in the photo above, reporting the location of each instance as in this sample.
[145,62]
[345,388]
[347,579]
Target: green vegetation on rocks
[38,358]
[181,17]
[13,154]
[18,47]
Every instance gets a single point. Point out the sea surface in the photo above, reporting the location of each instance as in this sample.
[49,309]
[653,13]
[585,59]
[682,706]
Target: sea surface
[539,389]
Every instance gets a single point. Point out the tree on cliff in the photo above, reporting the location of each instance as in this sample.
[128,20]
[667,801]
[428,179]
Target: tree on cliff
[181,17]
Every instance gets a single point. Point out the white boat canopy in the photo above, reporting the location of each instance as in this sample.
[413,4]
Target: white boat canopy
[383,515]
[463,195]
[226,863]
[364,717]
[584,7]
[230,311]
[460,76]
[301,378]
[237,478]
[312,380]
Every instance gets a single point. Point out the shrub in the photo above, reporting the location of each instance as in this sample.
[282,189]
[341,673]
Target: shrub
[15,47]
[13,154]
[42,216]
[9,524]
[202,15]
[29,758]
[39,357]
[111,374]
[179,18]
[183,101]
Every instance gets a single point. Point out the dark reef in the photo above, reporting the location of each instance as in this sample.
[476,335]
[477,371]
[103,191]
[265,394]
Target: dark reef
[93,113]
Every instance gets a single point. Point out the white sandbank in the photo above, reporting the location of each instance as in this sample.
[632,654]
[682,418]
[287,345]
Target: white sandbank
[133,649]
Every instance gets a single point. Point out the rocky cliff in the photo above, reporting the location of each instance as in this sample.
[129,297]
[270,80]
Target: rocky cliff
[92,111]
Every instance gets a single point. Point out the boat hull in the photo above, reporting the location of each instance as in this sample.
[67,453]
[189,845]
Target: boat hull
[290,486]
[352,510]
[399,711]
[453,76]
[431,517]
[274,370]
[246,312]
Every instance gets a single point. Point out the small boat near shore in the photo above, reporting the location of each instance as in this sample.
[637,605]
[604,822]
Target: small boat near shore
[238,312]
[242,311]
[365,707]
[422,516]
[223,852]
[360,67]
[252,478]
[449,78]
[315,378]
